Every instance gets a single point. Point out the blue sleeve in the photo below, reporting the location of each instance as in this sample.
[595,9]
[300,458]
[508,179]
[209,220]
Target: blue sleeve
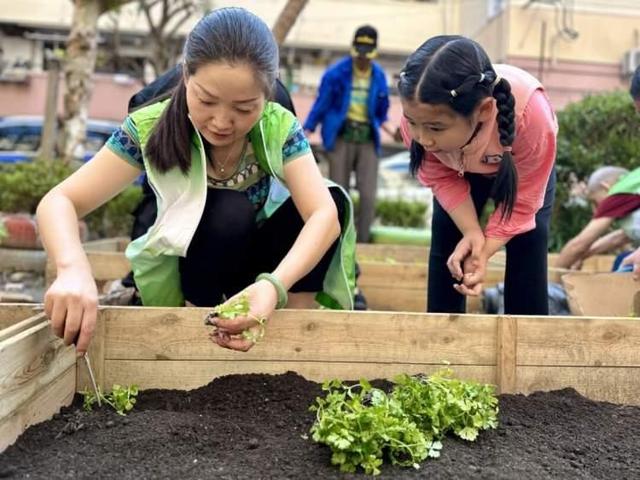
[322,103]
[124,143]
[296,144]
[382,108]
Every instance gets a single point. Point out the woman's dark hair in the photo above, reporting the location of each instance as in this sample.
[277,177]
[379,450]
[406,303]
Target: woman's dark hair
[456,71]
[231,35]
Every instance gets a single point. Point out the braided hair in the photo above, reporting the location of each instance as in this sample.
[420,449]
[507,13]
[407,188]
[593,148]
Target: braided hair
[456,71]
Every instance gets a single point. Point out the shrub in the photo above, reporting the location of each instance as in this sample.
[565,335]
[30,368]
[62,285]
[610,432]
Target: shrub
[596,131]
[23,185]
[397,212]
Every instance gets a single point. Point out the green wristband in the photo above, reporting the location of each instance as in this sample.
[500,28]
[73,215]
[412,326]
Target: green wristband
[275,281]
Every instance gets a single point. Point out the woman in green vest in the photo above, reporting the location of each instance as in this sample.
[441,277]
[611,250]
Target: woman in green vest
[242,206]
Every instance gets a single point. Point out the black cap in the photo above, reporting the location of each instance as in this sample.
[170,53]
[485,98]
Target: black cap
[365,41]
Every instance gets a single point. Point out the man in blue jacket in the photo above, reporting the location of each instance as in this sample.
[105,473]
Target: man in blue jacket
[352,106]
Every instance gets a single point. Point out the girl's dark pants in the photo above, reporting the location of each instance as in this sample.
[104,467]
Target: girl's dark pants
[229,249]
[525,285]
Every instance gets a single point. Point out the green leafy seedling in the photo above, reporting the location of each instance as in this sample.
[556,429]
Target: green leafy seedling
[121,399]
[238,307]
[363,425]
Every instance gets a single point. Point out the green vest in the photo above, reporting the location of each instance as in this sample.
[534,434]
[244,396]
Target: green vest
[629,183]
[181,199]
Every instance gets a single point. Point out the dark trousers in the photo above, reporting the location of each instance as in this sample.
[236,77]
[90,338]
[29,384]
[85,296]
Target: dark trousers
[229,249]
[525,289]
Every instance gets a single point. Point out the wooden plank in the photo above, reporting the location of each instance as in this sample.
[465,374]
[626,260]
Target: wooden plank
[11,313]
[40,407]
[576,341]
[601,294]
[189,374]
[367,252]
[306,335]
[415,254]
[506,354]
[414,275]
[105,266]
[617,385]
[407,300]
[21,326]
[115,244]
[29,361]
[395,300]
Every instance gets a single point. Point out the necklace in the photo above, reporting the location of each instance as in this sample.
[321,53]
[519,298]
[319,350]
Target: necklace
[220,167]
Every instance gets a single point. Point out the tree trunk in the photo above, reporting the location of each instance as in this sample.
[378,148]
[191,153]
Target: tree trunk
[79,66]
[80,61]
[50,127]
[287,19]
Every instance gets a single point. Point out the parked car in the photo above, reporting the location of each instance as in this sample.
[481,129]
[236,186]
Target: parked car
[20,137]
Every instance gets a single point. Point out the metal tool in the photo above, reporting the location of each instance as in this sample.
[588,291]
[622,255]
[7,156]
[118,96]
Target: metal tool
[40,308]
[92,377]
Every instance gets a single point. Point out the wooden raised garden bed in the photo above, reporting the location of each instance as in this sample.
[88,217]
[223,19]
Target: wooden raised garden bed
[169,348]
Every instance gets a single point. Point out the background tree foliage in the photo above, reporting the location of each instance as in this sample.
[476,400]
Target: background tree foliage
[598,130]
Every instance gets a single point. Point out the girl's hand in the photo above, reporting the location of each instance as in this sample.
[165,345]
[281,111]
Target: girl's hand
[470,245]
[474,272]
[242,332]
[71,303]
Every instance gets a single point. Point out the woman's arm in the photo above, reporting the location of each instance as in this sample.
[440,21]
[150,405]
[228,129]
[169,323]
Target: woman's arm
[71,302]
[316,207]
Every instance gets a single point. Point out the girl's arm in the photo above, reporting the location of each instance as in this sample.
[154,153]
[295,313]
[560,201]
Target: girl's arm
[71,302]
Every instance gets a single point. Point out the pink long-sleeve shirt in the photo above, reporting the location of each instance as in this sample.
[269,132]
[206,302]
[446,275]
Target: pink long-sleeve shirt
[534,152]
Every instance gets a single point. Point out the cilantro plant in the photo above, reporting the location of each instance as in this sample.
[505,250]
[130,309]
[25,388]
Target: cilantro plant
[440,404]
[238,307]
[121,399]
[363,425]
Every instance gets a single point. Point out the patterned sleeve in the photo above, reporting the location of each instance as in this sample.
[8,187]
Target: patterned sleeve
[296,144]
[124,143]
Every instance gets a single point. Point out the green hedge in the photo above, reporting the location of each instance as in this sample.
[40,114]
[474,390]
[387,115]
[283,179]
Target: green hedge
[598,130]
[24,184]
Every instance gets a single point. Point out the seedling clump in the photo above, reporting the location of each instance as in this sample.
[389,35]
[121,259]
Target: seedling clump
[363,425]
[238,307]
[121,399]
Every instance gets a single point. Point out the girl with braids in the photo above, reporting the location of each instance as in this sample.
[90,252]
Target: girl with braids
[242,206]
[478,131]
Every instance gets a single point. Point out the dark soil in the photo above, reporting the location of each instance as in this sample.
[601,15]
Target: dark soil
[252,427]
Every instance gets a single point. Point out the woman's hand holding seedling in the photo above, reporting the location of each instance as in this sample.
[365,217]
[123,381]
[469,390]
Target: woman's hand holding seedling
[240,321]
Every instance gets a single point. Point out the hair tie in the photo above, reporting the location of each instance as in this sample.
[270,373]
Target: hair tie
[496,81]
[482,77]
[453,93]
[508,148]
[403,74]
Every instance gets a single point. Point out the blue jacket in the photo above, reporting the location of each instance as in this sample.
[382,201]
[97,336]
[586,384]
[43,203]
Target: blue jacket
[334,95]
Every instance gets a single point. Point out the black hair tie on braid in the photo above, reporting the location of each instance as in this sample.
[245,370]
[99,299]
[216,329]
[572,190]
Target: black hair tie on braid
[504,190]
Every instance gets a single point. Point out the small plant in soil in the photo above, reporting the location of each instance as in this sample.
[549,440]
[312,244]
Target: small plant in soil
[121,399]
[363,425]
[238,307]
